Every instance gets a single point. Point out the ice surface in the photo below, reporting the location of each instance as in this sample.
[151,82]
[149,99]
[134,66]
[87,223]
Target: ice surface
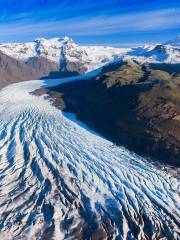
[57,175]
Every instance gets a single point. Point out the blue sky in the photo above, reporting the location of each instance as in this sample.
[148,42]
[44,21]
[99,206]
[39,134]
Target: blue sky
[108,22]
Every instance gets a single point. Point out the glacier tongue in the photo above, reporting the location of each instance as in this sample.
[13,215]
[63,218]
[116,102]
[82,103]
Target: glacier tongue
[60,180]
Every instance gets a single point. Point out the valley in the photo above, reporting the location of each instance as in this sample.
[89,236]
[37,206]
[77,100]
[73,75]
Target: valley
[60,180]
[89,141]
[131,104]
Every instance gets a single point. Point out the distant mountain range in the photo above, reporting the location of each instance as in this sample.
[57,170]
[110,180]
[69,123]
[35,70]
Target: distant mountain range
[42,57]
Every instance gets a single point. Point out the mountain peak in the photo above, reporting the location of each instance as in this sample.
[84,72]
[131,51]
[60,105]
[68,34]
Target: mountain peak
[87,58]
[66,38]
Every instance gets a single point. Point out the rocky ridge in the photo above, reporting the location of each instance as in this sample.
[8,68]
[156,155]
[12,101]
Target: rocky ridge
[132,104]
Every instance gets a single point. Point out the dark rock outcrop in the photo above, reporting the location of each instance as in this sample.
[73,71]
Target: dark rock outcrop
[43,65]
[12,70]
[132,104]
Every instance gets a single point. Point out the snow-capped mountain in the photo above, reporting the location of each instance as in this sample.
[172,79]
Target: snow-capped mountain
[74,58]
[160,53]
[65,52]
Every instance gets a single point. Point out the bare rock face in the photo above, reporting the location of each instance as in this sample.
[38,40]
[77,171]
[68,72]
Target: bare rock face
[43,65]
[12,70]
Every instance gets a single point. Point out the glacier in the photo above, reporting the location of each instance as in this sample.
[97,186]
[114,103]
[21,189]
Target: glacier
[61,180]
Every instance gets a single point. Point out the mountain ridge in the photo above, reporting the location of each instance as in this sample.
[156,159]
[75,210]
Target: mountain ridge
[59,57]
[72,57]
[13,70]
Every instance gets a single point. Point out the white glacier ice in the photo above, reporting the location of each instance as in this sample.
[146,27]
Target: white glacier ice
[57,177]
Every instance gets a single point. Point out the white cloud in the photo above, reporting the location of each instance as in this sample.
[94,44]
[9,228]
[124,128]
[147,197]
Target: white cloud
[94,26]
